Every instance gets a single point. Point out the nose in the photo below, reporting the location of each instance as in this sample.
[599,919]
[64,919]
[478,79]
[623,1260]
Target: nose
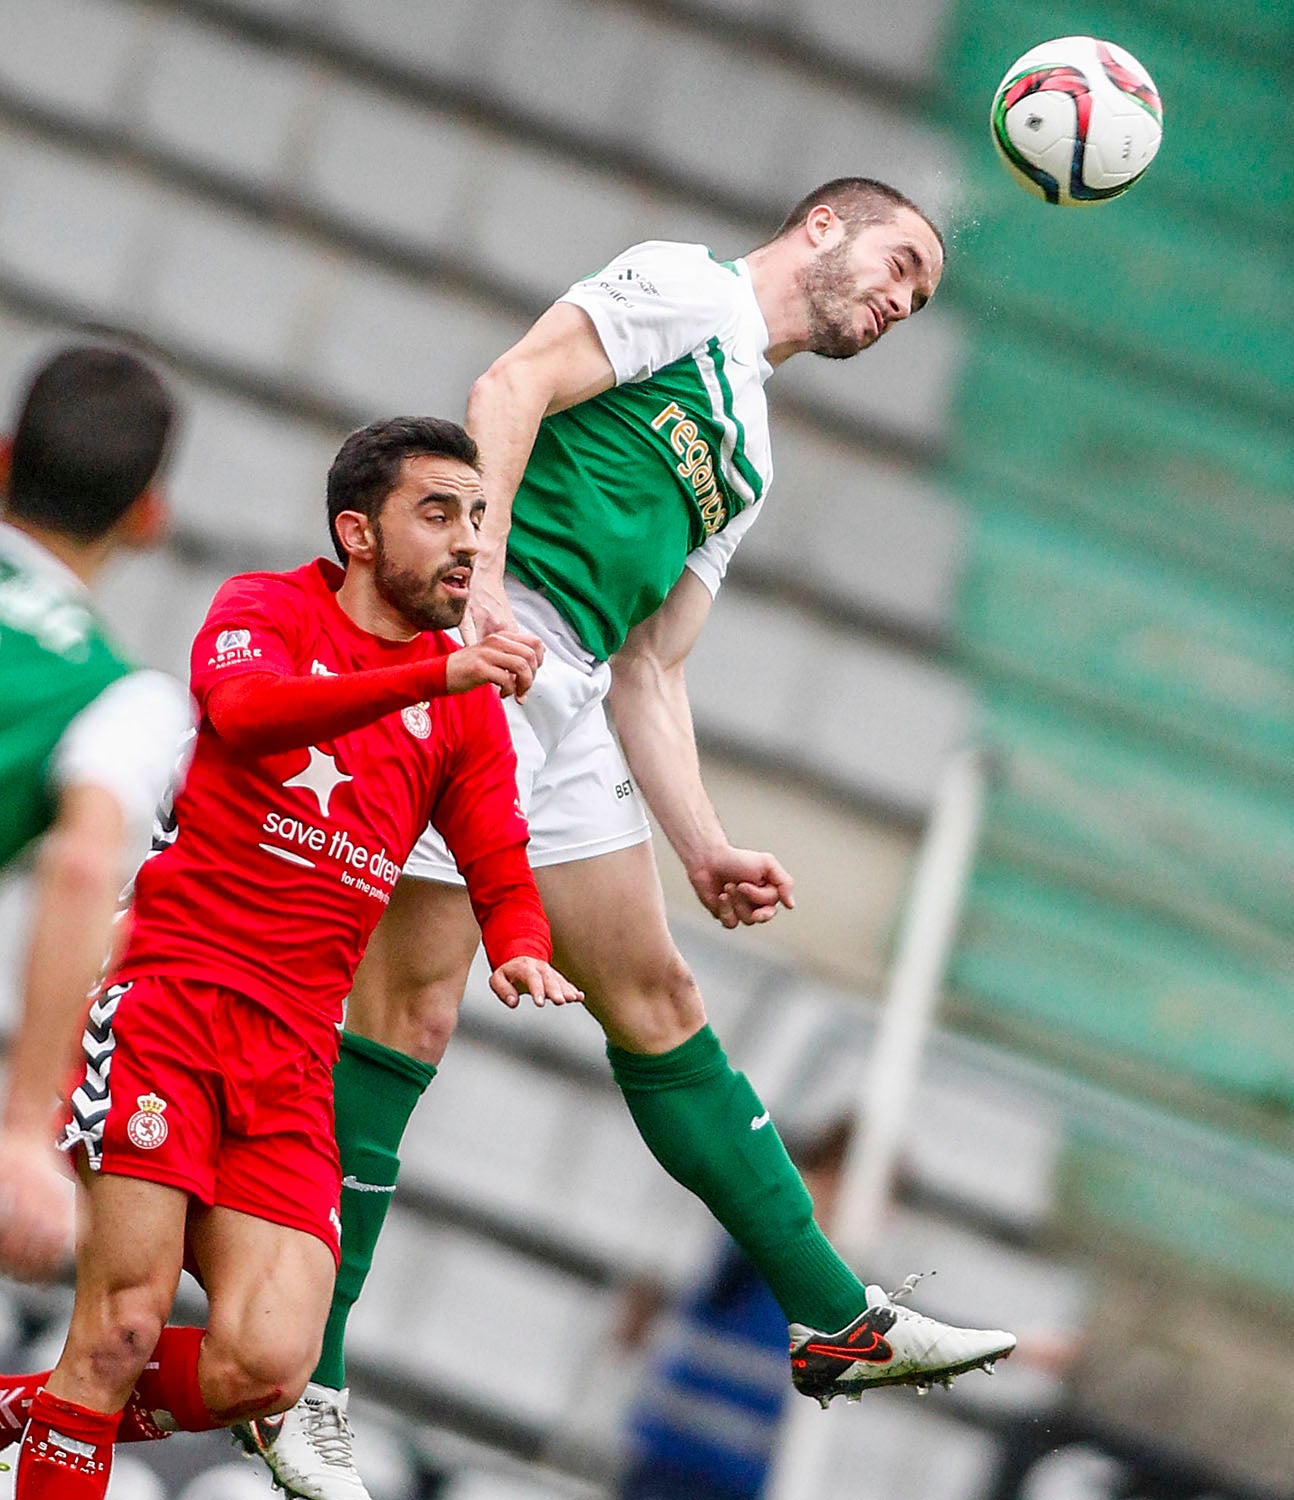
[467,540]
[898,303]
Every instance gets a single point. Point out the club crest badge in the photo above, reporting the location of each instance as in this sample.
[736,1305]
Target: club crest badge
[233,640]
[417,720]
[146,1128]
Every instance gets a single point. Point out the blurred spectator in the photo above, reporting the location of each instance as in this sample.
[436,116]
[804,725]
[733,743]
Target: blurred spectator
[707,1420]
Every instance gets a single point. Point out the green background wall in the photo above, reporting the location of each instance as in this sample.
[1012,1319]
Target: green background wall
[1123,443]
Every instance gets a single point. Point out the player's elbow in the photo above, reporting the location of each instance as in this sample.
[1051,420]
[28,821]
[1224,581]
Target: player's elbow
[510,385]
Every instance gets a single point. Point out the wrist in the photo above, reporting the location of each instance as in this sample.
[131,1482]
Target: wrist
[434,679]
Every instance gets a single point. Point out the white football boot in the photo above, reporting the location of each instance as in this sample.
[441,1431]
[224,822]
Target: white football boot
[308,1449]
[889,1345]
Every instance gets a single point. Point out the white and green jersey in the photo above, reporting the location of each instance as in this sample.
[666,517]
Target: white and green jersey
[666,469]
[73,711]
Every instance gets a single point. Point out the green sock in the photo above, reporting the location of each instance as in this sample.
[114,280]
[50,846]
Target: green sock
[699,1120]
[375,1091]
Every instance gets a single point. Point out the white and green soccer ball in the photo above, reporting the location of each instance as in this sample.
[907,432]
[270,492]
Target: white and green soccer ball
[1077,120]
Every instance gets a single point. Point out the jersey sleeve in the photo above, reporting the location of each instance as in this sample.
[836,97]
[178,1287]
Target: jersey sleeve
[710,560]
[250,627]
[131,741]
[655,303]
[478,813]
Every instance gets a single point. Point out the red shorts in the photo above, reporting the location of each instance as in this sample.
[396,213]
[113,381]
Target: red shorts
[203,1089]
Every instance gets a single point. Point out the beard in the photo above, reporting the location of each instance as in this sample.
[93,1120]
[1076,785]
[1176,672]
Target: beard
[413,594]
[833,326]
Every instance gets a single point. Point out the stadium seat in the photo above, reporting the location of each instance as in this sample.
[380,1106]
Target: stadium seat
[896,1448]
[473,1300]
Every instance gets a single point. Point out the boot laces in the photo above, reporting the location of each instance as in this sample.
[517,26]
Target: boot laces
[329,1432]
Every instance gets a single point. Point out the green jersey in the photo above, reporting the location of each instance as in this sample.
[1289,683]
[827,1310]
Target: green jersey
[666,469]
[63,718]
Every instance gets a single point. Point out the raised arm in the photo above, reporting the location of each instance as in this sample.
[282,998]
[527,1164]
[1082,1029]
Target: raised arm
[653,718]
[558,363]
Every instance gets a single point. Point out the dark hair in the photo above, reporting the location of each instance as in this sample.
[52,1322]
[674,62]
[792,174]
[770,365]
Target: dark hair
[857,201]
[90,436]
[368,464]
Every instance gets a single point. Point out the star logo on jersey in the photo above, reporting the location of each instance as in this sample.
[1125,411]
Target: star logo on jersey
[321,777]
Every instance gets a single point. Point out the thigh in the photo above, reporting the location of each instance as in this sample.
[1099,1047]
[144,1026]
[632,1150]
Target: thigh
[133,1237]
[268,1286]
[407,990]
[611,938]
[127,1270]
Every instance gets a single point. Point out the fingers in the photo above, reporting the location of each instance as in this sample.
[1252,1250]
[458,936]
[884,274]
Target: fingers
[507,659]
[747,904]
[533,977]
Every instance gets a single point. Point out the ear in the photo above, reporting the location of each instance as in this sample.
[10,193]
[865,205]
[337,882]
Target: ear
[147,521]
[823,226]
[355,533]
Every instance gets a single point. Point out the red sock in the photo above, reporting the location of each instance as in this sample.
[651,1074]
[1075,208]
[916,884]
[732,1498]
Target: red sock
[16,1395]
[167,1397]
[66,1452]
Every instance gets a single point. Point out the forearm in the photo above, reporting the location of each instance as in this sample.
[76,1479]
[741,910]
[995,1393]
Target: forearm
[653,720]
[504,410]
[265,713]
[507,906]
[78,881]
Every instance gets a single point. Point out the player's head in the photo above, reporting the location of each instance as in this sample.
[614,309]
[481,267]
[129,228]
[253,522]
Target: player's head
[405,502]
[862,257]
[89,439]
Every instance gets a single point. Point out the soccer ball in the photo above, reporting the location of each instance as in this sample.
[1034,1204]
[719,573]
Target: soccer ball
[1076,120]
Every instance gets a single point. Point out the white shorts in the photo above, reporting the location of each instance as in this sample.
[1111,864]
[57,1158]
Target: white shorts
[572,780]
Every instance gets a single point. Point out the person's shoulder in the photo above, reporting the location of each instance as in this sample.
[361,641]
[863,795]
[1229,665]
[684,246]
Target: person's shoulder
[307,581]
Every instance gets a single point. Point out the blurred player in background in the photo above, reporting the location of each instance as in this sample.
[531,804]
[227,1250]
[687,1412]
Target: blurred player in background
[625,450]
[337,719]
[87,742]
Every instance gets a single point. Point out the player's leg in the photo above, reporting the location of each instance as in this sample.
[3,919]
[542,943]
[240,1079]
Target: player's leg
[268,1288]
[702,1121]
[402,1011]
[128,1268]
[708,1128]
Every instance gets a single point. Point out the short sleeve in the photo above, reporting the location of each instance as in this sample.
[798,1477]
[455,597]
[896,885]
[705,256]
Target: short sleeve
[250,627]
[710,560]
[132,741]
[655,303]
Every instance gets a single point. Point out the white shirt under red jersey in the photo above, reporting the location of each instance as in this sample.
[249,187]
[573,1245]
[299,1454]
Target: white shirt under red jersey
[279,866]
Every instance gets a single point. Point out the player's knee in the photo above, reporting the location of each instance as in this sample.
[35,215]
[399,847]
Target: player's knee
[255,1378]
[431,1015]
[680,999]
[118,1342]
[657,1009]
[413,1013]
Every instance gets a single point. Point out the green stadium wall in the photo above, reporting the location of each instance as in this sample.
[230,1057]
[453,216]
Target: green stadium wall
[1123,444]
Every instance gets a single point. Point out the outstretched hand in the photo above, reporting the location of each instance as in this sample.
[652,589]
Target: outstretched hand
[742,887]
[37,1209]
[508,658]
[533,977]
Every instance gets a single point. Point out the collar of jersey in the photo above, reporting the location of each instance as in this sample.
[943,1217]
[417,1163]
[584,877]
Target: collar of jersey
[28,553]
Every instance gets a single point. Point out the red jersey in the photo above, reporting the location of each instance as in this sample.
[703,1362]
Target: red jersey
[279,866]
